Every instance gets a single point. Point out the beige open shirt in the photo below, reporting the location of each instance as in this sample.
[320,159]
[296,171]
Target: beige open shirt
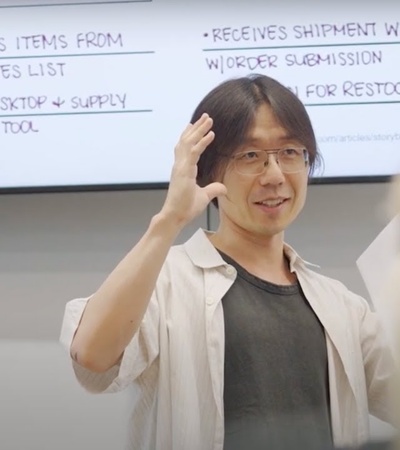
[176,360]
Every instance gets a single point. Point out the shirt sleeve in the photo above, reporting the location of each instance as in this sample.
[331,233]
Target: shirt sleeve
[138,355]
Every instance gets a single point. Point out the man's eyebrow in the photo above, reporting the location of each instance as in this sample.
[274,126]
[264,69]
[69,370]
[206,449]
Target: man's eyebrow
[251,140]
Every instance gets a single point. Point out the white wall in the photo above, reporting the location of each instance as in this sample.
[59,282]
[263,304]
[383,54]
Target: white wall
[54,247]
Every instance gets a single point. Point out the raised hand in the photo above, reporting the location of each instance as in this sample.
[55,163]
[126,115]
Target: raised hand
[186,199]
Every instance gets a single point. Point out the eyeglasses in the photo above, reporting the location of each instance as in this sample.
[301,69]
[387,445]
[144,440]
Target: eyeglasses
[253,162]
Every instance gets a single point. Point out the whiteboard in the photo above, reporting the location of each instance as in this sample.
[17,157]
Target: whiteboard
[97,93]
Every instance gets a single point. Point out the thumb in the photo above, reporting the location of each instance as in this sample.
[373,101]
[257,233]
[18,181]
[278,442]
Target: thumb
[215,190]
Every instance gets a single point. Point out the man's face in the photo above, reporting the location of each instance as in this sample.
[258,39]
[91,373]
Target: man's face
[263,205]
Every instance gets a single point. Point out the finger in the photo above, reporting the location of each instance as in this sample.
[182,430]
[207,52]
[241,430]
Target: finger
[197,130]
[195,139]
[201,119]
[194,125]
[215,189]
[191,152]
[196,151]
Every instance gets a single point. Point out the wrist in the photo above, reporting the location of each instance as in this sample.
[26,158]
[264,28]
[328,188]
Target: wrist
[167,223]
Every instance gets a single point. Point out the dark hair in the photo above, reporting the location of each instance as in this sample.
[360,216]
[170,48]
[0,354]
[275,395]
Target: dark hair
[232,106]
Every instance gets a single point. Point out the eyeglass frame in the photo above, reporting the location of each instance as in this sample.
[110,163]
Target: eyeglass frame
[306,158]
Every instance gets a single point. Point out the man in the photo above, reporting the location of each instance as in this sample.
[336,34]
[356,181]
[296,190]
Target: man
[233,341]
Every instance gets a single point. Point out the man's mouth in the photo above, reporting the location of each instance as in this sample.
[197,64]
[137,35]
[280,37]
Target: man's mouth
[272,203]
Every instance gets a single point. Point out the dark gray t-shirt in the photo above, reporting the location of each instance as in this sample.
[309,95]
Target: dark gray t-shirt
[276,392]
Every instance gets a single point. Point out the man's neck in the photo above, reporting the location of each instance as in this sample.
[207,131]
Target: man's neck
[261,256]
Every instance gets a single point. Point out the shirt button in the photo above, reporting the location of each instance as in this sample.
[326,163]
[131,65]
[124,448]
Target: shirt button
[230,270]
[209,300]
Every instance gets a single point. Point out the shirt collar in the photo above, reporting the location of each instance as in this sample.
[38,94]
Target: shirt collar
[203,254]
[295,259]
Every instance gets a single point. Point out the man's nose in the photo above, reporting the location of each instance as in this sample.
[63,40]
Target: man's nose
[272,173]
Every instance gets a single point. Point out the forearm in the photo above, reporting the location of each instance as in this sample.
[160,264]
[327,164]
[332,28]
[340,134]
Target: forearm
[114,313]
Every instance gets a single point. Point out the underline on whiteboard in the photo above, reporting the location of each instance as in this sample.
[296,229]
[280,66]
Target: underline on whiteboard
[282,47]
[76,113]
[41,5]
[354,103]
[74,55]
